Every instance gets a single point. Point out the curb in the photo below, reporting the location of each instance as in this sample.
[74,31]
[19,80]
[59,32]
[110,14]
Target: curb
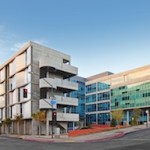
[16,137]
[138,129]
[38,140]
[121,134]
[67,140]
[75,141]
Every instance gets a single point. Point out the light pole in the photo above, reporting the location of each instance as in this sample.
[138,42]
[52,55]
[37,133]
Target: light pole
[51,103]
[147,115]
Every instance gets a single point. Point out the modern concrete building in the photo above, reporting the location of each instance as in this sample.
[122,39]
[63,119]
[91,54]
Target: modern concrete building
[44,73]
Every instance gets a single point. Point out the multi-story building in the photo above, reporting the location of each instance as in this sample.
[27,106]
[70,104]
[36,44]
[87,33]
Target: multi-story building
[126,91]
[47,76]
[130,90]
[80,95]
[43,73]
[97,106]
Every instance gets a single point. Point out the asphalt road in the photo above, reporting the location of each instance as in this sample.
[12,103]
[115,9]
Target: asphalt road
[134,141]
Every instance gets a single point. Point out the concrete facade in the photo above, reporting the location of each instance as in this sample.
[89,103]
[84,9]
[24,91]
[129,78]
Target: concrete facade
[45,74]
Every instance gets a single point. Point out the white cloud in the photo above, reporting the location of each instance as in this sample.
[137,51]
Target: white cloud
[17,46]
[10,43]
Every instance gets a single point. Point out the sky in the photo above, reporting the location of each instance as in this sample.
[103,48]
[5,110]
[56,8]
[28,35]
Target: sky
[99,35]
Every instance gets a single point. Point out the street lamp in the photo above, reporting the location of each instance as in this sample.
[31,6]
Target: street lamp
[51,103]
[147,114]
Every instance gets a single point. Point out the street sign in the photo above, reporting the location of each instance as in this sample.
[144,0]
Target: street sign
[52,102]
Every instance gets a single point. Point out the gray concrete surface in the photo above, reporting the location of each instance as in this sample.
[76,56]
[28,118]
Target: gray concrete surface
[97,137]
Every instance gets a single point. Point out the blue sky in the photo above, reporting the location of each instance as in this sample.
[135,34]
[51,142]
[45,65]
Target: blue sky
[100,35]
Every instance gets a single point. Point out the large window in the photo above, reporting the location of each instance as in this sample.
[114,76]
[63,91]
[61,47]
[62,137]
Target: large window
[91,108]
[103,118]
[91,88]
[90,118]
[103,96]
[91,98]
[103,106]
[102,86]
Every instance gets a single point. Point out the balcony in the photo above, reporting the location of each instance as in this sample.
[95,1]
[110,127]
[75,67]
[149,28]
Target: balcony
[58,83]
[66,101]
[67,117]
[45,104]
[62,68]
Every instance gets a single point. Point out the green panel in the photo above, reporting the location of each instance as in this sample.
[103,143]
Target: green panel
[130,96]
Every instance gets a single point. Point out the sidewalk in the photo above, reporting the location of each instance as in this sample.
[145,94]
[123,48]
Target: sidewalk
[97,137]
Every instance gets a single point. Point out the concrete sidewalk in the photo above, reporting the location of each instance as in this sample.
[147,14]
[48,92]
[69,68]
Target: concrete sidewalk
[97,137]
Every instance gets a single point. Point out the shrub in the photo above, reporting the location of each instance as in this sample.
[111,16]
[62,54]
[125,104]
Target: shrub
[113,123]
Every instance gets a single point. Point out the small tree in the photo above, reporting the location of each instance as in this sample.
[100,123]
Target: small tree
[113,122]
[117,115]
[39,116]
[135,116]
[18,119]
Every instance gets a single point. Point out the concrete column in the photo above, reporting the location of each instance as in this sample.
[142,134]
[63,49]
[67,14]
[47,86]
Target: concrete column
[127,117]
[24,127]
[12,127]
[34,127]
[96,118]
[73,125]
[47,123]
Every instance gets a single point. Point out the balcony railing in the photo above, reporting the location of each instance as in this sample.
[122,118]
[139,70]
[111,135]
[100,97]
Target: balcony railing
[58,66]
[67,117]
[66,101]
[58,83]
[45,104]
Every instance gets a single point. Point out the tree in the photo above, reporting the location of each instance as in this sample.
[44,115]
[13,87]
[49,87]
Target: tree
[135,116]
[117,115]
[39,116]
[18,119]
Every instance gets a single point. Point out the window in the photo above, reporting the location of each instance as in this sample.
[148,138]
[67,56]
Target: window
[21,109]
[103,96]
[91,98]
[91,108]
[91,88]
[102,86]
[103,118]
[103,106]
[18,94]
[11,112]
[125,98]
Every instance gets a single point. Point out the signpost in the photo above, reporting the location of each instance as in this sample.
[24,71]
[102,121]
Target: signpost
[53,103]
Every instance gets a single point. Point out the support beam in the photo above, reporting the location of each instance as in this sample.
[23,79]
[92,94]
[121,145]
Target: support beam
[47,123]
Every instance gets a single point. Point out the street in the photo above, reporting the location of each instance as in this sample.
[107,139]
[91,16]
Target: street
[139,140]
